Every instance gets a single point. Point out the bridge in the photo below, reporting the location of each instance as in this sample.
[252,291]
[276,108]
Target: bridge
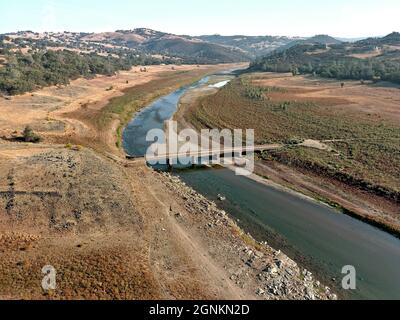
[212,154]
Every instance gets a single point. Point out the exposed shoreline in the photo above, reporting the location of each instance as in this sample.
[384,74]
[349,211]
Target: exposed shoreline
[338,204]
[273,275]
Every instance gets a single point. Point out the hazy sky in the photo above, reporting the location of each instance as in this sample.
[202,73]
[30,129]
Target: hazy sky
[340,18]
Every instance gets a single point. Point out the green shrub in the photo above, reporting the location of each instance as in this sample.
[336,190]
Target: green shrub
[255,93]
[30,136]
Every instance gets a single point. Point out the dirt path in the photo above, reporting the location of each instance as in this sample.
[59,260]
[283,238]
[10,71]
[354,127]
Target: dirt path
[200,256]
[177,256]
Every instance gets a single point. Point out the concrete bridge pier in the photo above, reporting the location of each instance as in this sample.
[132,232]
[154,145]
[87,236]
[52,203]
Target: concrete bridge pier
[194,161]
[212,159]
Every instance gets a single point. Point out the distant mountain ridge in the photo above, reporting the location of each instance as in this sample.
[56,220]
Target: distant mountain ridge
[323,39]
[254,45]
[237,45]
[317,39]
[195,49]
[234,47]
[29,60]
[391,39]
[185,49]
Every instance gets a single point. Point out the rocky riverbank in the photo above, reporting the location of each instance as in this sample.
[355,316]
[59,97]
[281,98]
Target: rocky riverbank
[267,273]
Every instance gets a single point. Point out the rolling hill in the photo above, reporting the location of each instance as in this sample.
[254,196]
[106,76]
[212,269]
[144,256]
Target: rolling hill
[235,47]
[370,59]
[147,42]
[253,45]
[193,50]
[29,60]
[317,39]
[321,39]
[391,39]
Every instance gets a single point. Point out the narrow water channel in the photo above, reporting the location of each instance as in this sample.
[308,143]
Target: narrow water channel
[324,239]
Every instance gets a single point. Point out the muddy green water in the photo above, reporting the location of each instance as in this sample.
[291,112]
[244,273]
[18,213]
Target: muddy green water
[322,238]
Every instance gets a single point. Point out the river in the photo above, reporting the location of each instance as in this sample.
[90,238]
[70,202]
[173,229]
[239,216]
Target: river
[312,233]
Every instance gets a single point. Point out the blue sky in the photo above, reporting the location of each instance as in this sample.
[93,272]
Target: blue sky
[341,18]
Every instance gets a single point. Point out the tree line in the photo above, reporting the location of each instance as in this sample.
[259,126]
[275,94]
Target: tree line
[331,64]
[27,72]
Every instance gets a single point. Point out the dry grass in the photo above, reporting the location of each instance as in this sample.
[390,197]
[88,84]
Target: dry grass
[367,55]
[357,125]
[101,228]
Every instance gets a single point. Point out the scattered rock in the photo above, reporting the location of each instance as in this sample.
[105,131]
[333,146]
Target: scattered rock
[260,292]
[221,197]
[276,275]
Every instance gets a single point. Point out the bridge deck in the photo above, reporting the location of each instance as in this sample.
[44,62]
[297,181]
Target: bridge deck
[208,153]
